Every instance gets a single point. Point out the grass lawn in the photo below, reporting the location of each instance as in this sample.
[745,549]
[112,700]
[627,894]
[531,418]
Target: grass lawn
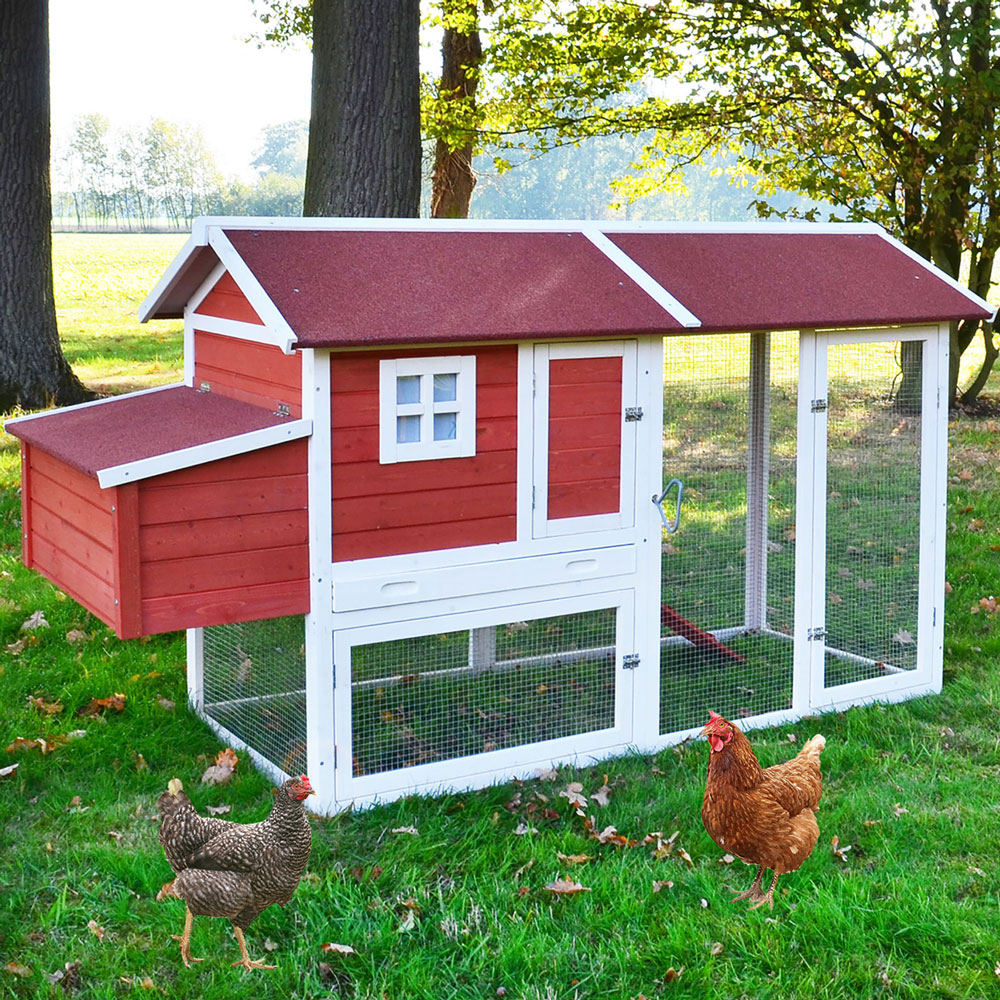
[443,897]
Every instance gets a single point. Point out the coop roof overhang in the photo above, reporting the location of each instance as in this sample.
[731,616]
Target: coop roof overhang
[370,282]
[129,438]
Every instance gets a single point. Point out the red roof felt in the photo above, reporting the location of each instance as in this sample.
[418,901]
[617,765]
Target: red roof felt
[787,281]
[349,287]
[141,425]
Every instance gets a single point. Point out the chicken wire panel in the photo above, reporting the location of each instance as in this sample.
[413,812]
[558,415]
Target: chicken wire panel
[874,428]
[254,679]
[729,435]
[442,696]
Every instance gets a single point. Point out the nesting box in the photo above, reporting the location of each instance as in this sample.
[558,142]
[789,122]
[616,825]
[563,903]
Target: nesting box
[442,503]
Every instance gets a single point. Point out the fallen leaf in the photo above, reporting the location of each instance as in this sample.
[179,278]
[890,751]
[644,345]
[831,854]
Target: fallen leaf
[45,707]
[899,810]
[166,704]
[68,977]
[551,774]
[523,828]
[565,887]
[95,928]
[903,637]
[408,922]
[35,621]
[672,974]
[140,763]
[218,810]
[574,859]
[602,795]
[222,769]
[270,945]
[684,856]
[573,792]
[6,772]
[716,949]
[988,603]
[16,969]
[340,949]
[20,743]
[75,636]
[657,886]
[411,830]
[115,834]
[840,853]
[96,706]
[726,859]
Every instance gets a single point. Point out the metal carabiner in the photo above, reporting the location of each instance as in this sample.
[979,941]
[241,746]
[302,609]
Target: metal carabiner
[658,500]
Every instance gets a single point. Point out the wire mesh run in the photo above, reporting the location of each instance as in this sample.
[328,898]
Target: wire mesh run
[438,697]
[874,427]
[729,434]
[254,685]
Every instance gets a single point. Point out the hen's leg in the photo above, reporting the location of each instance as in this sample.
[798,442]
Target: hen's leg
[754,891]
[185,939]
[245,959]
[768,896]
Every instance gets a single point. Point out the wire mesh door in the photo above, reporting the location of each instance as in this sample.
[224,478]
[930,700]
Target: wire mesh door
[727,571]
[460,700]
[875,407]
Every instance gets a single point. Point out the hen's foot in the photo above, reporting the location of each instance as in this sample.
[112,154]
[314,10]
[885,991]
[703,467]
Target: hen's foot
[245,959]
[767,897]
[185,940]
[754,892]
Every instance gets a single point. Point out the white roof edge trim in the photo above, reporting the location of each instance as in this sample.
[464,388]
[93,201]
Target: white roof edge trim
[943,275]
[252,289]
[152,301]
[323,223]
[643,279]
[199,454]
[92,402]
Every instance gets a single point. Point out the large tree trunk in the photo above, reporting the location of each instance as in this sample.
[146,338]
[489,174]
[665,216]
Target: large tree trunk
[364,132]
[453,179]
[33,372]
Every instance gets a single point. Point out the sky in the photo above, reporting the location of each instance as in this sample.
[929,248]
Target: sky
[185,61]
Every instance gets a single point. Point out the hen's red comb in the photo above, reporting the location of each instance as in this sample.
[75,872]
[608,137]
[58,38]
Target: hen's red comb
[712,716]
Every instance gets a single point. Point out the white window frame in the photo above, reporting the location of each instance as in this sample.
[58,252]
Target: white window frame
[463,445]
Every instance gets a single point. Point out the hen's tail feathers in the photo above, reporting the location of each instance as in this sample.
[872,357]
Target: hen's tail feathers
[167,890]
[815,745]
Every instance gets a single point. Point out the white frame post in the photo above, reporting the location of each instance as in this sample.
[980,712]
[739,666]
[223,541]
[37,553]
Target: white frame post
[758,479]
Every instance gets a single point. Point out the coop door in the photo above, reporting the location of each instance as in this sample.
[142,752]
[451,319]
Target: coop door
[463,700]
[868,619]
[585,418]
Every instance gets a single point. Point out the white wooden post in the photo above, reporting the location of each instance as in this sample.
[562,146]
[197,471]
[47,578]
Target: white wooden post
[196,669]
[758,471]
[482,649]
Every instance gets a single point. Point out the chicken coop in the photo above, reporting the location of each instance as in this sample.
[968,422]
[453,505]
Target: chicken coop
[441,503]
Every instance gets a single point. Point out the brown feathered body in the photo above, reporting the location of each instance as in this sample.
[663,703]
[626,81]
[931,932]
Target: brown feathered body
[763,816]
[234,870]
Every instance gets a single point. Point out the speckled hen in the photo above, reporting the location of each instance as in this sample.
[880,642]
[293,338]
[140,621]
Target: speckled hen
[763,816]
[234,870]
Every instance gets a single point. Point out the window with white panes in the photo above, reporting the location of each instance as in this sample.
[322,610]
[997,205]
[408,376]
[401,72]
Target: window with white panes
[427,408]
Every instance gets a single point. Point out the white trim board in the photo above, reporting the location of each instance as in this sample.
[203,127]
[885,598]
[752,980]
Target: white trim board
[199,454]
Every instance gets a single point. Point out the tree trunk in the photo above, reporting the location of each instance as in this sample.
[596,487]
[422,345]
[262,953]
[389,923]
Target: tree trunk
[453,179]
[33,372]
[364,132]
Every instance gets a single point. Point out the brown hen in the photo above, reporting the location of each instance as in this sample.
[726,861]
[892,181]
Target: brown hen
[764,817]
[234,870]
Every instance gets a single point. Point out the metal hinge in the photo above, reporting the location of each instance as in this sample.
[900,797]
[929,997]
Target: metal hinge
[282,410]
[818,405]
[816,633]
[630,661]
[205,387]
[633,413]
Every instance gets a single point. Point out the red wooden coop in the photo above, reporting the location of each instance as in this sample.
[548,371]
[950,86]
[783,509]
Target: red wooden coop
[409,502]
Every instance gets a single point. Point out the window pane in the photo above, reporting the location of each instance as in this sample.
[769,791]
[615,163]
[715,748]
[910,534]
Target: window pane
[408,389]
[445,387]
[445,426]
[407,430]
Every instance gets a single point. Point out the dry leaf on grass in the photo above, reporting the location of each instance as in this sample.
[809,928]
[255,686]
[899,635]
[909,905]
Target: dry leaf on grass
[899,810]
[68,977]
[573,792]
[96,929]
[522,829]
[565,887]
[672,974]
[408,922]
[97,706]
[602,795]
[35,621]
[166,704]
[16,969]
[840,853]
[222,770]
[44,707]
[717,948]
[6,772]
[411,830]
[657,886]
[726,859]
[218,810]
[574,859]
[75,637]
[340,949]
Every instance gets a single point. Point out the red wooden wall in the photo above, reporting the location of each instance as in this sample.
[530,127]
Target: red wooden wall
[381,510]
[226,301]
[585,436]
[222,542]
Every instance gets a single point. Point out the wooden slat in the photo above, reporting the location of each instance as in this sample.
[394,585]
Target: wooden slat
[596,400]
[159,505]
[600,431]
[360,444]
[125,536]
[576,499]
[234,385]
[219,572]
[223,607]
[396,510]
[223,534]
[228,302]
[84,586]
[428,537]
[67,537]
[26,518]
[285,459]
[262,361]
[70,479]
[53,496]
[585,371]
[485,469]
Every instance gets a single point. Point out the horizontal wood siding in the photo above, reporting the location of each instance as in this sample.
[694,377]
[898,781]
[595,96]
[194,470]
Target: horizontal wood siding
[226,541]
[260,374]
[381,510]
[70,523]
[584,450]
[226,301]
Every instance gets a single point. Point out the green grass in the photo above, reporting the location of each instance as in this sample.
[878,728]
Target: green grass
[460,909]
